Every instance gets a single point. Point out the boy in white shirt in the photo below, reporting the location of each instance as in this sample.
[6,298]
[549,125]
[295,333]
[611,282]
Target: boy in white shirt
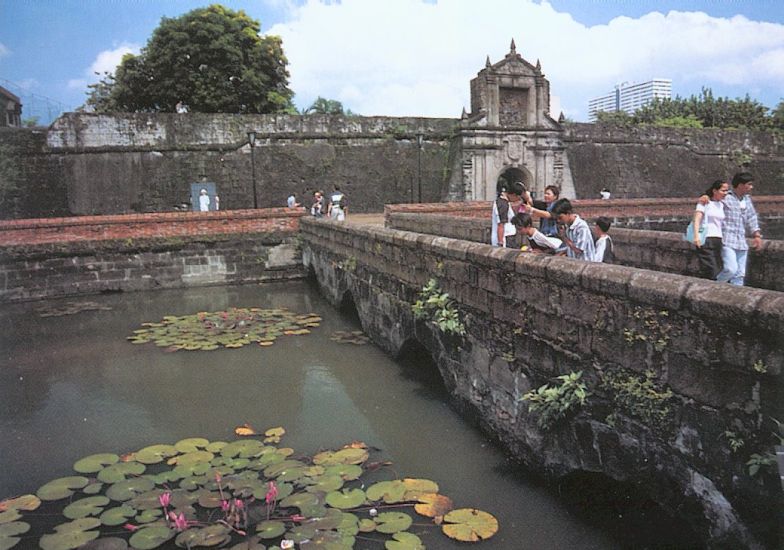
[603,248]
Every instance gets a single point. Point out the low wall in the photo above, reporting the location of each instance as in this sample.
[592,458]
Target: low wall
[655,250]
[529,318]
[133,226]
[670,214]
[49,258]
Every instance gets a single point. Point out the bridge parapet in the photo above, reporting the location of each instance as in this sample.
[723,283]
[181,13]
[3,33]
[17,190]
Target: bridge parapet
[713,353]
[647,249]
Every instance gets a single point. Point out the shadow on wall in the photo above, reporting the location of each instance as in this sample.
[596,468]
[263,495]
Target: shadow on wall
[417,365]
[601,500]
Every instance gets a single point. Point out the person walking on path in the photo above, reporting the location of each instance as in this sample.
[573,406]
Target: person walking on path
[712,216]
[338,205]
[740,220]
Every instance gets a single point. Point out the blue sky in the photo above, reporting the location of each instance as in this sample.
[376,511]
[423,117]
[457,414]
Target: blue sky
[416,57]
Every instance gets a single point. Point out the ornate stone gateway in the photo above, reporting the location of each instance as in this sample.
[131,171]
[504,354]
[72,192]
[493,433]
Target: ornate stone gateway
[509,134]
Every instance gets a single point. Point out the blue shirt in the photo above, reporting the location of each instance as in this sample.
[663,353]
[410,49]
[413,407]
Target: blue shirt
[739,218]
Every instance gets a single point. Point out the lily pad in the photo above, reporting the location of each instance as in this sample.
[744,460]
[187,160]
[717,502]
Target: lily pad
[155,454]
[148,516]
[10,516]
[90,506]
[93,488]
[388,491]
[107,543]
[126,490]
[309,504]
[433,505]
[71,535]
[347,498]
[343,456]
[95,463]
[253,543]
[392,522]
[191,444]
[28,503]
[117,515]
[328,540]
[212,535]
[244,448]
[194,457]
[8,532]
[416,487]
[270,529]
[63,487]
[404,541]
[150,537]
[469,525]
[119,472]
[348,472]
[325,484]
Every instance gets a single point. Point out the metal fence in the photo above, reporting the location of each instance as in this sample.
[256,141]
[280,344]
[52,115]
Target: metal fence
[44,109]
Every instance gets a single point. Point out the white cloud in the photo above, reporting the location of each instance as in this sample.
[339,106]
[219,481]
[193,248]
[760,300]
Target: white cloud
[4,51]
[105,62]
[409,57]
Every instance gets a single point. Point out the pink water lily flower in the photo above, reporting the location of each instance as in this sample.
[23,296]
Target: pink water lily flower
[272,493]
[180,523]
[238,504]
[225,505]
[131,527]
[164,499]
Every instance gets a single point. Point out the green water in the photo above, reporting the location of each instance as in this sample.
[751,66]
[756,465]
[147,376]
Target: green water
[72,386]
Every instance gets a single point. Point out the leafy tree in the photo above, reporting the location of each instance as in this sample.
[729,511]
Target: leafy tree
[30,122]
[324,106]
[709,111]
[212,59]
[614,118]
[777,116]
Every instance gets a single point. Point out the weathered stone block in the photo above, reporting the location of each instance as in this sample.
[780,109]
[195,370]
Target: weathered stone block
[660,289]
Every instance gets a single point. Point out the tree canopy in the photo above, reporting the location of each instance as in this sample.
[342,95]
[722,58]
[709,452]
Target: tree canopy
[703,111]
[212,59]
[322,106]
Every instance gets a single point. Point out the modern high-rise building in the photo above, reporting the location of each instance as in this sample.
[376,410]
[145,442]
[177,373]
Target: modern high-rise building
[629,97]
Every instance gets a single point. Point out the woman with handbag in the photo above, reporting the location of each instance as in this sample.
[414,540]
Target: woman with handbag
[708,242]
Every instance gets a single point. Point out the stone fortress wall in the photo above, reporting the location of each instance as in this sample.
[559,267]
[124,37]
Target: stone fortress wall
[100,164]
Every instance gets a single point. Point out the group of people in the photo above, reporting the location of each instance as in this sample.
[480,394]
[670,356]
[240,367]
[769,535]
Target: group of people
[723,218]
[561,229]
[336,206]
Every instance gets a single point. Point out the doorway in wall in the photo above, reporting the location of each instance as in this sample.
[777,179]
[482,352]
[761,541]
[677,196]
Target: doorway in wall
[511,175]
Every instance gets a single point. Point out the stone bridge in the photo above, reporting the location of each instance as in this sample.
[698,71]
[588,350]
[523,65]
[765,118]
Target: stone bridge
[683,375]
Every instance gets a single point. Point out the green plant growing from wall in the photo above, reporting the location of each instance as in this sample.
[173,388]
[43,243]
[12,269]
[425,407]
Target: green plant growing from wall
[741,158]
[553,403]
[760,367]
[436,306]
[348,264]
[654,328]
[758,461]
[639,396]
[735,442]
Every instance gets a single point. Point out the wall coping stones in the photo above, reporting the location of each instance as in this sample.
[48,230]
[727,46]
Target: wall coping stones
[659,289]
[607,279]
[731,303]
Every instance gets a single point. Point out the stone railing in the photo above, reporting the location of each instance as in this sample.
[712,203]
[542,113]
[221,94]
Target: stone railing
[670,214]
[713,353]
[656,250]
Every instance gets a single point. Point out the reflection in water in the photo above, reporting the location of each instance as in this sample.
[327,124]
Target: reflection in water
[73,386]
